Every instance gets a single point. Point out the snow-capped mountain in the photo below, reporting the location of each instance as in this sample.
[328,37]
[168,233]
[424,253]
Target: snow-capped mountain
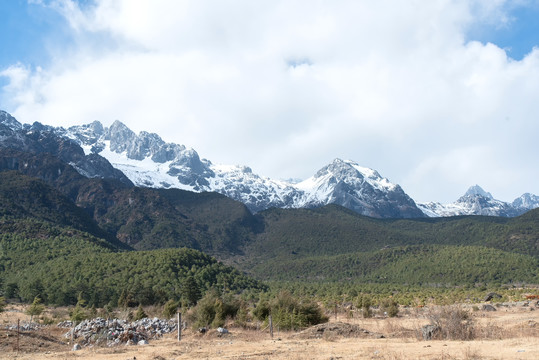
[39,139]
[477,201]
[146,160]
[361,189]
[526,201]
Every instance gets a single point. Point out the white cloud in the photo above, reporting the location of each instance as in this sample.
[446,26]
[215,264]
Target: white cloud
[286,86]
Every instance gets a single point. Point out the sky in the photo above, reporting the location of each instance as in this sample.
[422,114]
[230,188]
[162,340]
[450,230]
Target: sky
[435,95]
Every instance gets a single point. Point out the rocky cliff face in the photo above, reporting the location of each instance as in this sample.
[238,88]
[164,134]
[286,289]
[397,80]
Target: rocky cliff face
[39,139]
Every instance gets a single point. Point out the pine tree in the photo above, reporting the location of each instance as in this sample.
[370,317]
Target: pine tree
[140,314]
[170,308]
[190,291]
[36,308]
[79,313]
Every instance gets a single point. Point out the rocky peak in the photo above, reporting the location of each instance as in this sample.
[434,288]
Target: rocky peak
[338,169]
[526,201]
[9,121]
[89,134]
[120,136]
[476,190]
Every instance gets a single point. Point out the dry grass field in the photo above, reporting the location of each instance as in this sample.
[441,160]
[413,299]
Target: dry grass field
[512,332]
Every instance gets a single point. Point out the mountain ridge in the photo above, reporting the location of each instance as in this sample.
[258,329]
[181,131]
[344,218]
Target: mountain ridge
[148,161]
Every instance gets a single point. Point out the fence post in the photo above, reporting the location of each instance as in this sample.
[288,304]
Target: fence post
[271,326]
[18,329]
[179,326]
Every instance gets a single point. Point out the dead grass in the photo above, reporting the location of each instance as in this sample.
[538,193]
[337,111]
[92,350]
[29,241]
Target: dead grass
[510,333]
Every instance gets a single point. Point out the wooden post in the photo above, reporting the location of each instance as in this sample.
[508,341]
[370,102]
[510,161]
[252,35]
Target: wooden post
[179,326]
[18,328]
[271,326]
[73,331]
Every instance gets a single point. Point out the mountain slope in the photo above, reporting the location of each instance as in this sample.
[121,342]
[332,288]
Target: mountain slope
[60,264]
[23,197]
[142,218]
[295,235]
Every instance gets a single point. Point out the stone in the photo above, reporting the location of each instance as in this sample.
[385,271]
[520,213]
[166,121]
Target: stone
[492,295]
[76,347]
[222,330]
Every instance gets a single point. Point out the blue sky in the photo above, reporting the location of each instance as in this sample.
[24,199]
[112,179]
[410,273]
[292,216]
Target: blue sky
[26,31]
[518,36]
[437,96]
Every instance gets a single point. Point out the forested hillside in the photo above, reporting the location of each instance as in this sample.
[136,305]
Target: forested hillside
[59,264]
[61,233]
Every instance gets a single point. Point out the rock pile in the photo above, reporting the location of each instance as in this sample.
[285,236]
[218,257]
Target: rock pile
[337,330]
[115,332]
[26,326]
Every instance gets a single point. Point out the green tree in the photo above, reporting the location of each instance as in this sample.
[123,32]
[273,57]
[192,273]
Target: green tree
[140,314]
[79,313]
[12,291]
[170,309]
[366,304]
[390,307]
[36,308]
[2,303]
[191,291]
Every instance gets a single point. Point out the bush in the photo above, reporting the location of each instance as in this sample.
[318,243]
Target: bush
[364,303]
[213,309]
[289,313]
[243,317]
[140,314]
[36,308]
[390,307]
[262,309]
[170,309]
[453,322]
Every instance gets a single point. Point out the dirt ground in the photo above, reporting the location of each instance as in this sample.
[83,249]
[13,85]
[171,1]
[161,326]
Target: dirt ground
[509,333]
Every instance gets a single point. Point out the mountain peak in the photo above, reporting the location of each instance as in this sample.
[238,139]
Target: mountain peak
[10,121]
[526,201]
[477,190]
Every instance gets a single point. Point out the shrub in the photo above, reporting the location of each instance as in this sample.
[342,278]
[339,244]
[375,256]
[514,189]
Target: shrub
[36,308]
[390,307]
[170,309]
[289,313]
[213,309]
[79,313]
[453,322]
[140,314]
[243,317]
[364,303]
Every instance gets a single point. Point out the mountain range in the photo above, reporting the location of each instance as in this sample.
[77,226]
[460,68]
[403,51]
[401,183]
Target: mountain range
[66,211]
[145,160]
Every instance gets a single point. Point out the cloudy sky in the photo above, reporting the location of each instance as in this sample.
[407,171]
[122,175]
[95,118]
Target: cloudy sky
[436,95]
